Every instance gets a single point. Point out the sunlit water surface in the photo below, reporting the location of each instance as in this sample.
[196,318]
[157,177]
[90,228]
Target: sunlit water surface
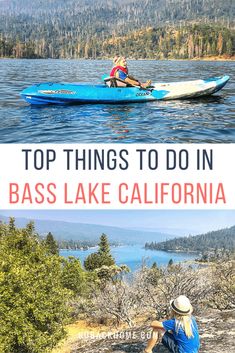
[134,256]
[210,119]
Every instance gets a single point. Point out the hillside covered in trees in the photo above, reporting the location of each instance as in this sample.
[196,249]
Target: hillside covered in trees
[41,292]
[79,245]
[154,29]
[220,239]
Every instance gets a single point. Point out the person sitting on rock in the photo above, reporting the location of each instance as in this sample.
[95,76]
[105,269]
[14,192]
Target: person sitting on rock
[178,334]
[120,71]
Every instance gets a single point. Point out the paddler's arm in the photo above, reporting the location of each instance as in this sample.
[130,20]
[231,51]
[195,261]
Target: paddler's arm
[132,82]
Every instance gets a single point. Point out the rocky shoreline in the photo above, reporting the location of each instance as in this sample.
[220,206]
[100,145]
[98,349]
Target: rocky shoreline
[217,331]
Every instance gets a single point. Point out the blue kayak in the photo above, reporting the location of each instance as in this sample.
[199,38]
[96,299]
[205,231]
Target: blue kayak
[77,93]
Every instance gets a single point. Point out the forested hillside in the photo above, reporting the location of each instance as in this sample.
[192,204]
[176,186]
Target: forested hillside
[118,13]
[99,28]
[220,239]
[170,42]
[41,292]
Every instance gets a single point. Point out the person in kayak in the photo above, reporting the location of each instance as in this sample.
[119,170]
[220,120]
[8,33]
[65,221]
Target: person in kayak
[120,71]
[179,334]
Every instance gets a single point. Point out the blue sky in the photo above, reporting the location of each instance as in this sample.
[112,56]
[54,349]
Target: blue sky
[164,220]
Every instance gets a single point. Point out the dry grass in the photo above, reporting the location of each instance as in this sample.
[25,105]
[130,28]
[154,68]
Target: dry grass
[78,328]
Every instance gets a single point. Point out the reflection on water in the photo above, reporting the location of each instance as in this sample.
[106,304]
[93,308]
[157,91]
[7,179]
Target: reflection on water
[118,121]
[208,119]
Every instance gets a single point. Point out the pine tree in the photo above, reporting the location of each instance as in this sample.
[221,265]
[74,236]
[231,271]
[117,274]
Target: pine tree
[104,247]
[220,44]
[102,257]
[51,244]
[105,252]
[12,226]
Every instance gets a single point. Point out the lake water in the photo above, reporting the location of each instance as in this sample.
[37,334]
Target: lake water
[203,120]
[133,256]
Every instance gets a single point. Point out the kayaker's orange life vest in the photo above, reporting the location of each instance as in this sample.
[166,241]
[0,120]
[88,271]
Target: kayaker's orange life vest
[116,68]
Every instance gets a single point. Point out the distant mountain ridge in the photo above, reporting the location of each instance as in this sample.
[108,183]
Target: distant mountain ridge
[84,29]
[220,239]
[137,12]
[90,232]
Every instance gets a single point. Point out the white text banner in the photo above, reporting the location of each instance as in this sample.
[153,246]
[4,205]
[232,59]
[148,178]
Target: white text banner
[117,176]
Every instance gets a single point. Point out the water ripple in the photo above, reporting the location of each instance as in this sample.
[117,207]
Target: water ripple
[210,119]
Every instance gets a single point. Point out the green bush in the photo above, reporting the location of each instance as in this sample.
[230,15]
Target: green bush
[33,300]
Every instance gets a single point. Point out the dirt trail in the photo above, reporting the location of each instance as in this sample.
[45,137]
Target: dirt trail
[217,332]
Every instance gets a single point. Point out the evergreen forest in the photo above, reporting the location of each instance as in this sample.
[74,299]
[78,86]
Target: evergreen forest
[143,29]
[214,240]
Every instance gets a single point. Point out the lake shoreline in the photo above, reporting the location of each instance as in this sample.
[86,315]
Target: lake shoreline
[177,251]
[210,58]
[134,256]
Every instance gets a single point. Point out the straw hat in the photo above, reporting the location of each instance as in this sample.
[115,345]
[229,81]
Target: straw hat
[181,305]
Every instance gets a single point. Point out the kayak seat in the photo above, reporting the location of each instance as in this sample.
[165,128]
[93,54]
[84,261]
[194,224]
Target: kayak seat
[115,82]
